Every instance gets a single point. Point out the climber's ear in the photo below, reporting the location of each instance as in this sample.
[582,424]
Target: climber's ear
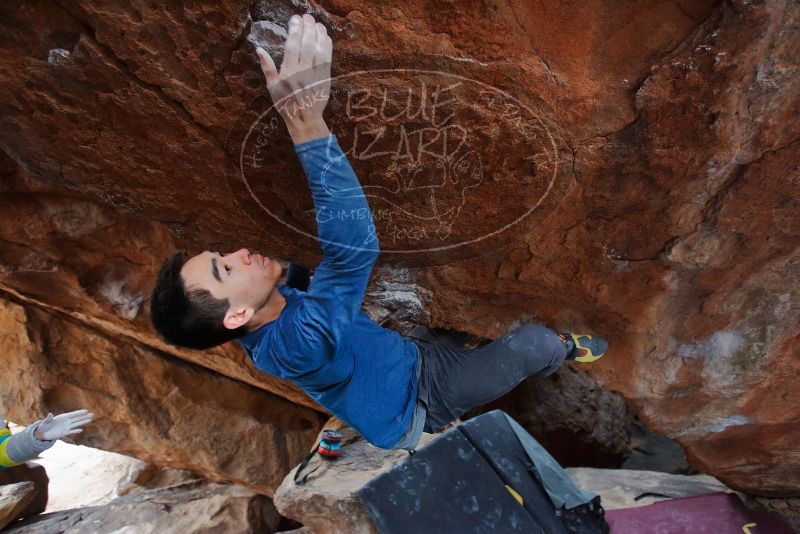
[236,317]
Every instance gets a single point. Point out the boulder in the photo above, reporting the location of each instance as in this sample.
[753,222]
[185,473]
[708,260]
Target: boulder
[678,239]
[623,168]
[787,509]
[14,498]
[143,476]
[627,488]
[196,506]
[34,473]
[574,417]
[104,475]
[62,255]
[653,452]
[327,503]
[148,405]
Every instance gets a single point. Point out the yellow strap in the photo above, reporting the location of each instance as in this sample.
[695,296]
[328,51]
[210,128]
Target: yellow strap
[516,495]
[5,461]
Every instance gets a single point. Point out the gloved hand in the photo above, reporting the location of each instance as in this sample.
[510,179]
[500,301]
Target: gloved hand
[66,424]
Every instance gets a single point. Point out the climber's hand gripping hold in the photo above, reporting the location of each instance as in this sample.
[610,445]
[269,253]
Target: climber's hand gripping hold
[301,89]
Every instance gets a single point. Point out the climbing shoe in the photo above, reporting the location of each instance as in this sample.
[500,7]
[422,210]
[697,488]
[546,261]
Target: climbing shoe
[583,347]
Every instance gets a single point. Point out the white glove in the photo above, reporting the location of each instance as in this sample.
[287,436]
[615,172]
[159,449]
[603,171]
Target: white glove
[66,424]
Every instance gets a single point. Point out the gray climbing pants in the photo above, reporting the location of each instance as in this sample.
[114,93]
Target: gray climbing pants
[454,380]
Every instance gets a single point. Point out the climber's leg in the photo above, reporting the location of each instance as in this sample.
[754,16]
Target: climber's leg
[456,380]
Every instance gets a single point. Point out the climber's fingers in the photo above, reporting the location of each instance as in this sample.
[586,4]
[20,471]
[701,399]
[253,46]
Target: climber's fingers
[308,42]
[291,53]
[267,66]
[324,50]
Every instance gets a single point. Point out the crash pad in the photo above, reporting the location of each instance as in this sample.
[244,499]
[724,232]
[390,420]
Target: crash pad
[486,475]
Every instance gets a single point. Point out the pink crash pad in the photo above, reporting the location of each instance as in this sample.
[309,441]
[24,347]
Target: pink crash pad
[717,513]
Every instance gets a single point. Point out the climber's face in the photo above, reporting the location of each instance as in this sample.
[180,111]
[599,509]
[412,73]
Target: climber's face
[246,280]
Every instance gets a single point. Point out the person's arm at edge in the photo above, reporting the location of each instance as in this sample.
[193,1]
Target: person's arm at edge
[20,447]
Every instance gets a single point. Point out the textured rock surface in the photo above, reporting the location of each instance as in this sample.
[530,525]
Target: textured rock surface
[156,408]
[104,476]
[14,498]
[787,509]
[36,474]
[64,254]
[625,488]
[199,506]
[327,503]
[578,421]
[658,145]
[653,452]
[679,240]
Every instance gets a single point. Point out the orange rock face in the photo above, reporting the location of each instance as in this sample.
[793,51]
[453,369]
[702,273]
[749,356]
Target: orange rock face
[627,168]
[169,413]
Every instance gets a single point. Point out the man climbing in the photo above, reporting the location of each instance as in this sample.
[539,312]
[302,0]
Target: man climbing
[388,387]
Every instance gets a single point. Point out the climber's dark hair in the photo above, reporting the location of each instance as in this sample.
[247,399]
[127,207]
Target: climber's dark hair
[188,318]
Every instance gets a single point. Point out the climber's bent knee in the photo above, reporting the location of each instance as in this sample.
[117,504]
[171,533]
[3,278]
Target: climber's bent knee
[540,349]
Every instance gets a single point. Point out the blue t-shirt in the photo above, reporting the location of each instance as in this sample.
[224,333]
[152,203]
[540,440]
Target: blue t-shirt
[362,373]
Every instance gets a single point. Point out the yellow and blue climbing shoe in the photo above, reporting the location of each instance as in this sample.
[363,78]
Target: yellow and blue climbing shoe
[583,347]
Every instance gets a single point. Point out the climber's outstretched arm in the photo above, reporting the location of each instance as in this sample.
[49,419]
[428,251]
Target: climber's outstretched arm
[345,225]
